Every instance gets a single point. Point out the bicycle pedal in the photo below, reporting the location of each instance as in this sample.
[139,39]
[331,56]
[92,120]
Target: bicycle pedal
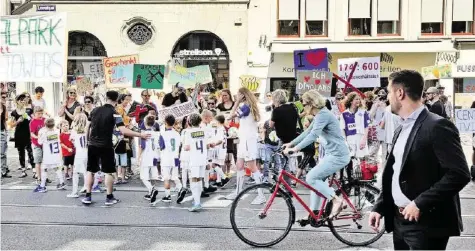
[303,222]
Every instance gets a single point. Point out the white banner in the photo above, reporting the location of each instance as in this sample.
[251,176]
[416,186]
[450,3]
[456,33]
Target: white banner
[366,75]
[465,120]
[178,111]
[33,48]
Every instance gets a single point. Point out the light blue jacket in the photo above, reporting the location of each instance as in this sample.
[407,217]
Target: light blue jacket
[326,126]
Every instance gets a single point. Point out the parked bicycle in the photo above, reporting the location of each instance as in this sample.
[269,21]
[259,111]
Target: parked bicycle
[278,214]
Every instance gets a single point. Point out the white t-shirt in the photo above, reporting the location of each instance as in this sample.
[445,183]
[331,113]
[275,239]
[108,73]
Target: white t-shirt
[80,144]
[248,127]
[170,141]
[184,155]
[41,103]
[220,149]
[196,139]
[51,147]
[149,147]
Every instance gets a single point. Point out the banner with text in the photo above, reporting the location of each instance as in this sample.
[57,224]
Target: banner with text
[367,73]
[118,71]
[178,111]
[465,120]
[318,80]
[93,70]
[148,76]
[33,48]
[203,74]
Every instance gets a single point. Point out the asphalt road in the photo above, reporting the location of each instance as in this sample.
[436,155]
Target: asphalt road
[52,221]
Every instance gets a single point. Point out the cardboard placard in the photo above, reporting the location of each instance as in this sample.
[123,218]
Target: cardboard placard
[148,76]
[118,71]
[314,59]
[367,73]
[178,111]
[314,80]
[465,120]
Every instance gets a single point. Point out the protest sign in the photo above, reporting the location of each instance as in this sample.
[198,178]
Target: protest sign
[93,70]
[465,120]
[250,82]
[182,75]
[203,74]
[148,76]
[366,75]
[178,111]
[315,79]
[33,48]
[315,59]
[84,86]
[118,71]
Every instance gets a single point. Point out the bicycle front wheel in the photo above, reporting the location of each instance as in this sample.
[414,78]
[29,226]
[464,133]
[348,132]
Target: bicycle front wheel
[256,227]
[351,227]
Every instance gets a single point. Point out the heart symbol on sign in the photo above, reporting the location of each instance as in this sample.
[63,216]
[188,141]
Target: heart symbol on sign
[327,81]
[306,78]
[316,57]
[317,81]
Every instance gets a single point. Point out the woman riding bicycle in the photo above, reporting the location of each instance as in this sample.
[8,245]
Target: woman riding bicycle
[337,155]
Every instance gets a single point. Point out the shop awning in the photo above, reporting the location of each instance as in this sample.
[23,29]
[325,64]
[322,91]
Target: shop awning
[362,47]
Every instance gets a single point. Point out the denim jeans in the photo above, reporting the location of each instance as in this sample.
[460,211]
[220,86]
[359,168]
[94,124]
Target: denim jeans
[3,150]
[266,155]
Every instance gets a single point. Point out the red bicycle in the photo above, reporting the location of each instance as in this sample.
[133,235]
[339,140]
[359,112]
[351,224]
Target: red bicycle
[265,227]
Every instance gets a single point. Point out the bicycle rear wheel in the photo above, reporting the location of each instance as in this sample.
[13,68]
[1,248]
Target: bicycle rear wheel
[255,228]
[356,232]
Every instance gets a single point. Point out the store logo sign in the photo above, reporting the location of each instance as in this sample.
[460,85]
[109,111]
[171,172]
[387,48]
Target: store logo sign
[465,68]
[43,7]
[197,52]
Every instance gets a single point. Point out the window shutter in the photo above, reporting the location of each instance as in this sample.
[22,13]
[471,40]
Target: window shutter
[289,9]
[316,10]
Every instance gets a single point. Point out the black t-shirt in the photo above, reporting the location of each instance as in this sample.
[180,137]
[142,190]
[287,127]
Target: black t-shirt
[3,119]
[221,107]
[103,120]
[438,108]
[22,129]
[71,110]
[285,122]
[169,99]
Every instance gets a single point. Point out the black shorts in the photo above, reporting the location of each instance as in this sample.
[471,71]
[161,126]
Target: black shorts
[103,155]
[68,160]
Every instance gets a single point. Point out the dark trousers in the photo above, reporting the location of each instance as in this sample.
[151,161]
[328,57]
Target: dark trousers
[21,155]
[409,235]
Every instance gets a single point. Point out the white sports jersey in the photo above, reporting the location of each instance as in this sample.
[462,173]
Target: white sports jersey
[170,141]
[148,149]
[220,149]
[209,134]
[80,144]
[197,141]
[51,147]
[184,155]
[248,127]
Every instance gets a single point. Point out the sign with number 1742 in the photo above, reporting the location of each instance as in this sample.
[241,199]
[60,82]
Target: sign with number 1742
[366,75]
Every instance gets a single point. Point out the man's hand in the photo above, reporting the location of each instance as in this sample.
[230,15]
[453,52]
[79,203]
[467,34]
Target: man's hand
[374,221]
[145,135]
[411,212]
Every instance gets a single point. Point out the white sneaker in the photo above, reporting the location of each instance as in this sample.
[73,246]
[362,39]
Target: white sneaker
[259,200]
[73,195]
[231,196]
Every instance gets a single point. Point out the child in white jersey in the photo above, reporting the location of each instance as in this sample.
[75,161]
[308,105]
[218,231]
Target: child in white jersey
[220,150]
[184,162]
[197,144]
[207,118]
[49,139]
[170,141]
[148,160]
[79,139]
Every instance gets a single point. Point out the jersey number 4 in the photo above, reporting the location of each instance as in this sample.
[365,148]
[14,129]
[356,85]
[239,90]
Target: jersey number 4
[199,145]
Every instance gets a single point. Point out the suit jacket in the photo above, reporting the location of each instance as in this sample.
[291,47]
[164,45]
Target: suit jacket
[433,172]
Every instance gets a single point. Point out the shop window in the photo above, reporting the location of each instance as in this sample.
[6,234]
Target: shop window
[462,17]
[432,17]
[140,34]
[360,26]
[316,12]
[387,28]
[288,18]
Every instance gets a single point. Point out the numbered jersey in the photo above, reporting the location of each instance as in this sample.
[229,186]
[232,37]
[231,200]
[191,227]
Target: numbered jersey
[221,149]
[196,139]
[80,144]
[51,147]
[149,146]
[209,134]
[170,141]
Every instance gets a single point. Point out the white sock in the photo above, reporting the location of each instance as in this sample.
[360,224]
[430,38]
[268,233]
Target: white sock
[184,176]
[60,175]
[148,185]
[196,191]
[44,176]
[178,184]
[258,178]
[240,181]
[167,192]
[96,179]
[75,183]
[220,173]
[206,179]
[84,181]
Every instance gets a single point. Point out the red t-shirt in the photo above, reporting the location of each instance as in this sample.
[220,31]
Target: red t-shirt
[35,126]
[64,138]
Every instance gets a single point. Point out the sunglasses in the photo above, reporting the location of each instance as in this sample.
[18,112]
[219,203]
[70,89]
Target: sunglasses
[146,96]
[211,103]
[72,93]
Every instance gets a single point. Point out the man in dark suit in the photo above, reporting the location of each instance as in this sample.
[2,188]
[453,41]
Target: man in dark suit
[425,170]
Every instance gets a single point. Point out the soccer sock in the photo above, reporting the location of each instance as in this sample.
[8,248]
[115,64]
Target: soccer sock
[75,182]
[206,179]
[220,173]
[196,191]
[96,179]
[257,177]
[148,185]
[167,192]
[178,184]
[239,181]
[60,176]
[44,177]
[184,176]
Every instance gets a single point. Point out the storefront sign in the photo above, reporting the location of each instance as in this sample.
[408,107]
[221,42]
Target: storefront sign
[437,72]
[315,59]
[33,48]
[250,82]
[197,52]
[465,120]
[314,80]
[45,7]
[469,85]
[118,71]
[463,70]
[148,76]
[178,111]
[367,73]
